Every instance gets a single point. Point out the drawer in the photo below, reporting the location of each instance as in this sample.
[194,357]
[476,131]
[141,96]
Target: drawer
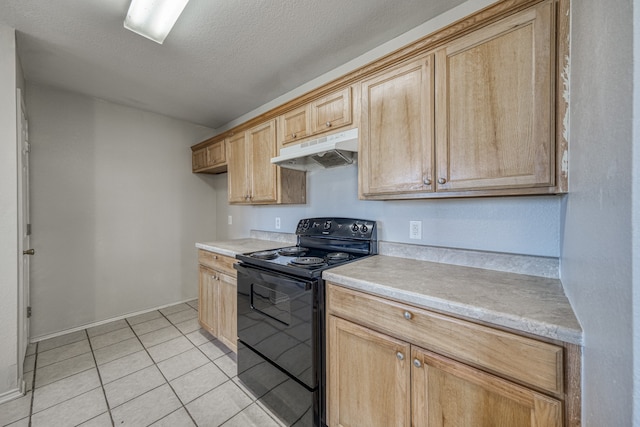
[511,356]
[217,262]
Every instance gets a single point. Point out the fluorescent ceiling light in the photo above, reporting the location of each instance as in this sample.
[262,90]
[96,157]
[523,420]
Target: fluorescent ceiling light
[153,19]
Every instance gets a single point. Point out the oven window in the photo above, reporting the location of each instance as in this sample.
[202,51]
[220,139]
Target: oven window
[271,303]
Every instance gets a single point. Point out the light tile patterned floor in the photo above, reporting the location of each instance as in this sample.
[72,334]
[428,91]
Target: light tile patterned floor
[158,368]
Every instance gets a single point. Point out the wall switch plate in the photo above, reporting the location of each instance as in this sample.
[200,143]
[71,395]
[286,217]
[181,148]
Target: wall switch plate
[230,220]
[415,230]
[277,223]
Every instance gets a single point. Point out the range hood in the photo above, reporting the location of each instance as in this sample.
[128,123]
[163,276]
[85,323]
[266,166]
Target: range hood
[329,151]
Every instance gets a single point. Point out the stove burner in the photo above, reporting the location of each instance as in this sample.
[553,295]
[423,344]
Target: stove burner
[307,261]
[337,256]
[265,254]
[292,251]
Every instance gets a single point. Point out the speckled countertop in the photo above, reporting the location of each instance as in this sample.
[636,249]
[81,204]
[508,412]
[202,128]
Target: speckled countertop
[531,304]
[239,246]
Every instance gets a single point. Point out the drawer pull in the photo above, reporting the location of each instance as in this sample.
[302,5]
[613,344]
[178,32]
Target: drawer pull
[417,363]
[408,315]
[400,356]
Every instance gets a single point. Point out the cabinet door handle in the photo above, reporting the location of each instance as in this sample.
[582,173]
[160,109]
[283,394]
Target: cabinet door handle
[328,124]
[417,363]
[400,356]
[408,315]
[293,135]
[441,180]
[427,181]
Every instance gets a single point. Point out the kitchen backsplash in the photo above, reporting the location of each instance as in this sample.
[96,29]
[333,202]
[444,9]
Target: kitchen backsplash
[511,263]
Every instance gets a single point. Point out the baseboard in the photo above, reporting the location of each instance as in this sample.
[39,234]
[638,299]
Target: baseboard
[102,322]
[10,395]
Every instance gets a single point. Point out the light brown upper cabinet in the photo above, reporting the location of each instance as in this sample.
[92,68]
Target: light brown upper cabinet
[238,167]
[321,115]
[294,125]
[396,131]
[331,111]
[253,179]
[490,95]
[494,105]
[210,159]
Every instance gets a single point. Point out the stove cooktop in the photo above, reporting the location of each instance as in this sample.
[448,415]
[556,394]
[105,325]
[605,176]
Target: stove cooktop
[299,260]
[322,243]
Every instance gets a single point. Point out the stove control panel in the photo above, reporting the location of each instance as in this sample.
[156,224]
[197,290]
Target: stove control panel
[337,227]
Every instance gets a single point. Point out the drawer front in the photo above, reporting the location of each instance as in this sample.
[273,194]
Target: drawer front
[217,262]
[514,357]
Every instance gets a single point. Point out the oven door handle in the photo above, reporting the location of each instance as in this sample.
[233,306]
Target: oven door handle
[273,278]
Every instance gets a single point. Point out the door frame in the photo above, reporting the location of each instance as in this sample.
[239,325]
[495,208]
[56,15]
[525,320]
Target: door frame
[22,144]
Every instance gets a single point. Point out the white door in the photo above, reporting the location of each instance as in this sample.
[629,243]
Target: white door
[25,233]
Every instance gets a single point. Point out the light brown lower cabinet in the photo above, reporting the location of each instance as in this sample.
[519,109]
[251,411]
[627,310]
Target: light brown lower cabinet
[227,311]
[368,379]
[378,375]
[448,393]
[217,297]
[207,300]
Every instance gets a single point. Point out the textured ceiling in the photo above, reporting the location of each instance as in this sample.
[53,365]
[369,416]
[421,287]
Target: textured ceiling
[222,59]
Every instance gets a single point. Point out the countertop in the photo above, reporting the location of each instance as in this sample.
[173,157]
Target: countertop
[531,304]
[239,246]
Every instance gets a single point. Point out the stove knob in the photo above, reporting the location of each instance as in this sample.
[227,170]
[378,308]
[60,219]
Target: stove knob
[327,225]
[354,227]
[364,228]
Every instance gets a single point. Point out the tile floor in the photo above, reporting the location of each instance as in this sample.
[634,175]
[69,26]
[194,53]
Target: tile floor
[156,369]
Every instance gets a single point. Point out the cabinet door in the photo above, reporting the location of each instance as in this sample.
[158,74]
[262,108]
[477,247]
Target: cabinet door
[368,377]
[207,300]
[227,311]
[216,154]
[294,125]
[331,111]
[261,141]
[396,142]
[448,393]
[199,159]
[494,105]
[237,168]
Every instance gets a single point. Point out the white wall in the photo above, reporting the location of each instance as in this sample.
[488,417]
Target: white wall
[116,210]
[8,215]
[599,234]
[635,216]
[523,225]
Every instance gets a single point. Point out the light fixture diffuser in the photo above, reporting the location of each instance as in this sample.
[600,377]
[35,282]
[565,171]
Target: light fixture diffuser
[153,19]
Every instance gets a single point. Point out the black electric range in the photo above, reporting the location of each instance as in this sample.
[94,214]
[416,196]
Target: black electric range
[281,337]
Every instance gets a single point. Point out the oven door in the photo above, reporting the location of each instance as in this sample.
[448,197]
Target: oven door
[278,320]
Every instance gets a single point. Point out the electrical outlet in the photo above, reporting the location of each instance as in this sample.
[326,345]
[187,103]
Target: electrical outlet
[415,230]
[230,220]
[277,223]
